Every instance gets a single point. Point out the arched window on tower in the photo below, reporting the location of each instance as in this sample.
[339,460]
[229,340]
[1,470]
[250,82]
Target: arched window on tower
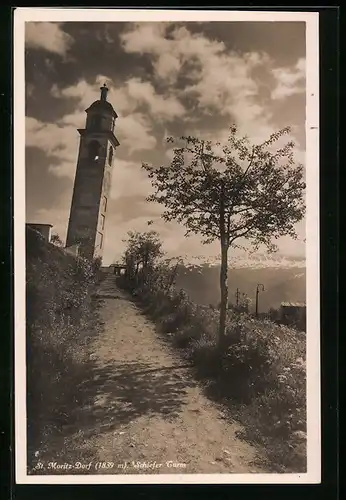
[94,150]
[110,155]
[95,122]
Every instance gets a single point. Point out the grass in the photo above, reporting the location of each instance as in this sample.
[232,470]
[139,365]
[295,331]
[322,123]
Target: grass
[61,321]
[260,377]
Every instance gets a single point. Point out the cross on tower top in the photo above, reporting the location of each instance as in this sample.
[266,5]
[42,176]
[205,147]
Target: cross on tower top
[104,91]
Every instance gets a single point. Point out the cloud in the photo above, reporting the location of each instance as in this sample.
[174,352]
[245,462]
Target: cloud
[146,38]
[50,137]
[135,125]
[168,54]
[83,92]
[63,169]
[76,119]
[160,106]
[135,132]
[167,66]
[175,243]
[236,86]
[58,140]
[129,180]
[289,81]
[30,89]
[221,82]
[104,34]
[194,78]
[128,98]
[58,217]
[172,234]
[47,36]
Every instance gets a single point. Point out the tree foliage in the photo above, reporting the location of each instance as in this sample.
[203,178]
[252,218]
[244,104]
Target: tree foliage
[262,195]
[56,240]
[142,250]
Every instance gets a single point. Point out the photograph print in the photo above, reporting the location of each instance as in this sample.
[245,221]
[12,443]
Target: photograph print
[169,166]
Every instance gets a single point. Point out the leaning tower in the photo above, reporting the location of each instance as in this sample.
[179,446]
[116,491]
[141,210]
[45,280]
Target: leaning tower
[93,178]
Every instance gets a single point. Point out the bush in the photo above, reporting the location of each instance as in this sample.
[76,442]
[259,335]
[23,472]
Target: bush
[205,355]
[59,317]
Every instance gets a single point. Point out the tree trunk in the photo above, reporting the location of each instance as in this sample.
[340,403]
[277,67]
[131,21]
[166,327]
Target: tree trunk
[224,295]
[223,271]
[172,278]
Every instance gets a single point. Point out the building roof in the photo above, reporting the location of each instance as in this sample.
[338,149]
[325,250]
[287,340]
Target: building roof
[38,224]
[102,105]
[293,304]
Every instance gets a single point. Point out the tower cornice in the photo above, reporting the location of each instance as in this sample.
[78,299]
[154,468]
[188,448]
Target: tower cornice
[108,133]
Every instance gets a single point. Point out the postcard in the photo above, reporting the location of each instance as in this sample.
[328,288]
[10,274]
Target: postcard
[166,208]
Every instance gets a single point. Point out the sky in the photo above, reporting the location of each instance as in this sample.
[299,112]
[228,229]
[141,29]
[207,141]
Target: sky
[165,79]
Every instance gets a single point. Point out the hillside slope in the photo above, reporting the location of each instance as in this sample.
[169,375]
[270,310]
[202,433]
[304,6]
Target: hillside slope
[281,284]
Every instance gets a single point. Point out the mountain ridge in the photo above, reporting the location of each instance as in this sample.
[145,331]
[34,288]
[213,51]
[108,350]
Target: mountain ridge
[281,284]
[259,261]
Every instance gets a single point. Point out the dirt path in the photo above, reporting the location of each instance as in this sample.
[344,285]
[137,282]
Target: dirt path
[145,413]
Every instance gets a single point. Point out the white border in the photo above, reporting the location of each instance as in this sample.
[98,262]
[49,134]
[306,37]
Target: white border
[22,15]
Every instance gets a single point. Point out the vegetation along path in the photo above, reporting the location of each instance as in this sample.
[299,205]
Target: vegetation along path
[145,410]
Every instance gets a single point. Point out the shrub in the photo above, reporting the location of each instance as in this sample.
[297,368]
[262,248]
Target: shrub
[59,317]
[205,355]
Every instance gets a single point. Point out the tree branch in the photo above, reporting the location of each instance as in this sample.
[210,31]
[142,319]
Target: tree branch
[249,165]
[203,165]
[244,233]
[242,179]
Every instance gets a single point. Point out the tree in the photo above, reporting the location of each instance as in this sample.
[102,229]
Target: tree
[56,240]
[244,303]
[231,191]
[142,250]
[274,314]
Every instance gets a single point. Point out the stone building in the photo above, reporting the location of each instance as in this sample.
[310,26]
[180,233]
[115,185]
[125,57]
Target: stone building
[45,230]
[293,313]
[86,227]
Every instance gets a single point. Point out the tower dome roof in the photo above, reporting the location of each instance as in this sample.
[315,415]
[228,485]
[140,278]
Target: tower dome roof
[102,105]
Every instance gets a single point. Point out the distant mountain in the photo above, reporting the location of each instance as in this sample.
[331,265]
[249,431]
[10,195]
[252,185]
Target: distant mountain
[256,260]
[282,284]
